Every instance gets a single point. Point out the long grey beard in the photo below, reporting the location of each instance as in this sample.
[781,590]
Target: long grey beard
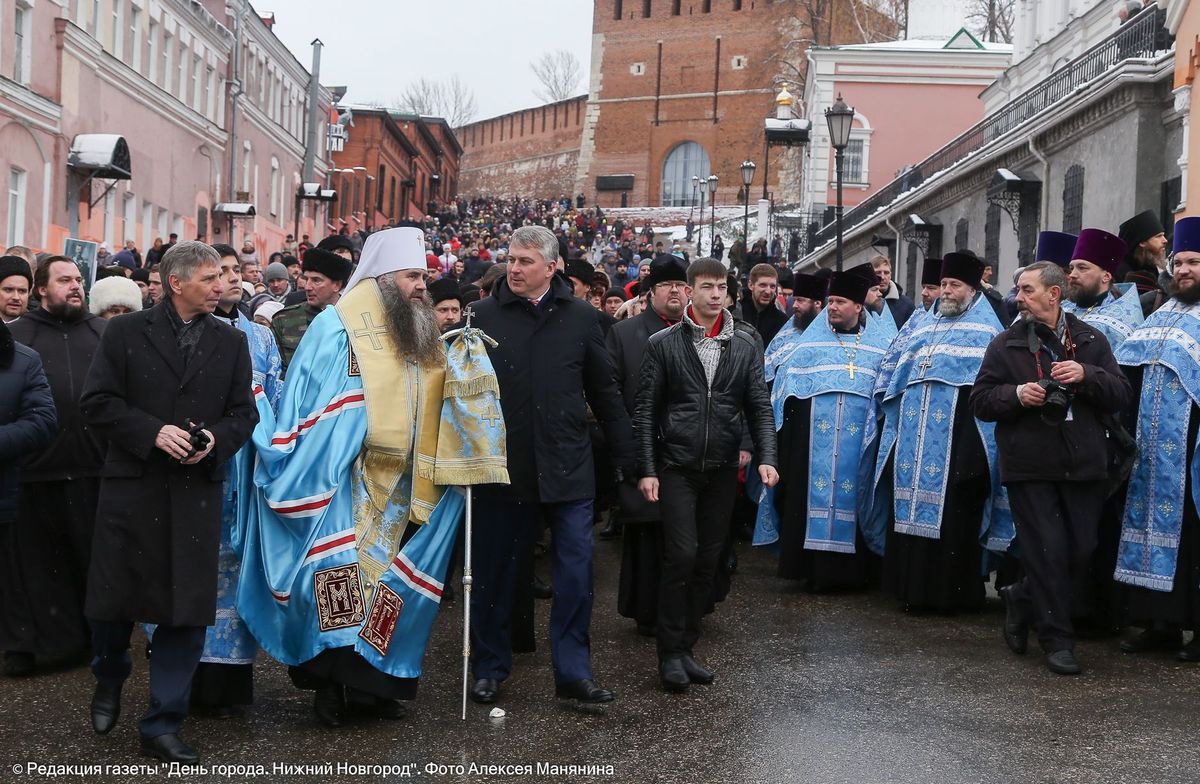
[952,308]
[412,326]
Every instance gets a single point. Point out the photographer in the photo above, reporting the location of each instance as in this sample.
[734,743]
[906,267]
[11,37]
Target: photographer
[1047,382]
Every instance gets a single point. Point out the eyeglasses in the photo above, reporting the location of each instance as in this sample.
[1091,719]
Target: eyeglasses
[671,285]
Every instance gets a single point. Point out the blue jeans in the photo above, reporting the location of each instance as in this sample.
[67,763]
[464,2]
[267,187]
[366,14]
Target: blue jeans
[503,529]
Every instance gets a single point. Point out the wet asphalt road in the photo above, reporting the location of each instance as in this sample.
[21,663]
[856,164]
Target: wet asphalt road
[810,689]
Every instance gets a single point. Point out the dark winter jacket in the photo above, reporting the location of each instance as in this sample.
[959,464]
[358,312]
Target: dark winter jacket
[1029,448]
[683,423]
[66,349]
[552,365]
[27,418]
[767,321]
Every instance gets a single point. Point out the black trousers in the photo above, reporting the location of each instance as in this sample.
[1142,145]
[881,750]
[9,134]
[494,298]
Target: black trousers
[173,661]
[1057,533]
[695,507]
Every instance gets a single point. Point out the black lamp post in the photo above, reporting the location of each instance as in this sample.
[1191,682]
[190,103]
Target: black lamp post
[700,229]
[840,117]
[712,212]
[748,168]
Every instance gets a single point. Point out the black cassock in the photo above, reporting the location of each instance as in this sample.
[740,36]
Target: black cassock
[820,570]
[945,574]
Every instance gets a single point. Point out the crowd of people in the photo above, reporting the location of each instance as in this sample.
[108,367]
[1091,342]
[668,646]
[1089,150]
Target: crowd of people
[245,455]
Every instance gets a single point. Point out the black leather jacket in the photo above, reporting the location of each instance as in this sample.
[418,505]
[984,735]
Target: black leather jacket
[681,423]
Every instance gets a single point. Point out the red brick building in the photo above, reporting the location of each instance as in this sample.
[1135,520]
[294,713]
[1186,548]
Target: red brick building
[392,166]
[678,87]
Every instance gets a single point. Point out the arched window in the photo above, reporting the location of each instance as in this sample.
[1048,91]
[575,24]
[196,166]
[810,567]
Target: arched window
[1073,200]
[683,162]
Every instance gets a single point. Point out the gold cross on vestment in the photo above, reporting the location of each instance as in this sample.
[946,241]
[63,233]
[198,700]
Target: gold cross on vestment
[492,416]
[370,331]
[850,367]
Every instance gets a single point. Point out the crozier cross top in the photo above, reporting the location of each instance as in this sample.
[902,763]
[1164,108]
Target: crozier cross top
[370,331]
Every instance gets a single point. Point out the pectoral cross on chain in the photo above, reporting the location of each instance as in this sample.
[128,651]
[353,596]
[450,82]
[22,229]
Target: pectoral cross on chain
[925,364]
[370,331]
[851,368]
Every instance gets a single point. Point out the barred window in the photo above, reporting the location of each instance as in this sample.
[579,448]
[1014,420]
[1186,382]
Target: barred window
[1073,200]
[962,231]
[852,164]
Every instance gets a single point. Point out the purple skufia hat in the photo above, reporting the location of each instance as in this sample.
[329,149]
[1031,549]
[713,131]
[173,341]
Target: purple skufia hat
[1187,236]
[1100,248]
[1056,246]
[963,266]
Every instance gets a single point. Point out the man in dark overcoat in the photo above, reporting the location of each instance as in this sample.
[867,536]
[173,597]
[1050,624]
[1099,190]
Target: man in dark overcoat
[169,389]
[551,364]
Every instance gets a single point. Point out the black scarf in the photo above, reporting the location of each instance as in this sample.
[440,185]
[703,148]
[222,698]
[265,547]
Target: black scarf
[187,335]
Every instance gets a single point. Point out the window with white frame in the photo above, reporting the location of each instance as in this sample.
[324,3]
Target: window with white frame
[852,165]
[210,110]
[95,19]
[110,220]
[152,51]
[135,38]
[246,166]
[161,223]
[274,185]
[16,206]
[147,226]
[197,85]
[182,81]
[168,52]
[23,40]
[129,218]
[118,29]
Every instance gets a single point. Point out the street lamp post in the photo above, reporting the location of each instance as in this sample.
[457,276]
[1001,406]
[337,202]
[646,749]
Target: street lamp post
[748,168]
[840,117]
[712,212]
[700,231]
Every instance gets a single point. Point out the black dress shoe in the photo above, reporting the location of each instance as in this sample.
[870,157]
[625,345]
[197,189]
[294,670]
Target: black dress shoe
[106,708]
[390,709]
[1063,663]
[1190,652]
[1016,628]
[329,703]
[18,664]
[585,690]
[485,691]
[697,672]
[541,589]
[169,748]
[1153,640]
[611,529]
[673,676]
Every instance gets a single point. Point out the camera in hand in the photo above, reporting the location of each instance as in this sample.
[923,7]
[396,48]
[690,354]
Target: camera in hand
[1058,401]
[199,439]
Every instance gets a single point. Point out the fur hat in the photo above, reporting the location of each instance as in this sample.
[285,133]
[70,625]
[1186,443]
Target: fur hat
[114,291]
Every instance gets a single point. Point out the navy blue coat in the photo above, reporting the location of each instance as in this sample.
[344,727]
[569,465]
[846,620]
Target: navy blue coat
[27,418]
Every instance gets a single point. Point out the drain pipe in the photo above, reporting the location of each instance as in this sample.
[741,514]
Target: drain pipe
[1045,211]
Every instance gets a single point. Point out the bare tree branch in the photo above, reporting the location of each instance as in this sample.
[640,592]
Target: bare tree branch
[450,99]
[991,20]
[559,73]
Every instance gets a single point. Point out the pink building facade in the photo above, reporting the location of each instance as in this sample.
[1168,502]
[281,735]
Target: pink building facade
[160,75]
[909,98]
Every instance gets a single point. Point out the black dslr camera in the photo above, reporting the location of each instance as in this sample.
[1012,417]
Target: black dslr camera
[1058,401]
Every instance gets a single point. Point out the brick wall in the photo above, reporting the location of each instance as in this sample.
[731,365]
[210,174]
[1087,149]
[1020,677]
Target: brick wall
[533,152]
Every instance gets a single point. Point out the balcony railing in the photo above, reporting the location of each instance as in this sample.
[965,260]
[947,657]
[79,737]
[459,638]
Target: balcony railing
[1141,36]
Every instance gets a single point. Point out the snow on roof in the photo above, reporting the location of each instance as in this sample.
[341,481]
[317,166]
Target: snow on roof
[922,45]
[94,149]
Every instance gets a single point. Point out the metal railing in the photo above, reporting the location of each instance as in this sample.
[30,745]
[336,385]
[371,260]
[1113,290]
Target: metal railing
[1141,36]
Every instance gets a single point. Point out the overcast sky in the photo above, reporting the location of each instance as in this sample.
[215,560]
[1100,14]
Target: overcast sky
[375,47]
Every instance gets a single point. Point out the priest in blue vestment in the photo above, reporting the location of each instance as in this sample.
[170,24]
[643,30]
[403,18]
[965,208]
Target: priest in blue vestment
[351,516]
[824,411]
[1115,310]
[1159,557]
[937,491]
[224,679]
[808,299]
